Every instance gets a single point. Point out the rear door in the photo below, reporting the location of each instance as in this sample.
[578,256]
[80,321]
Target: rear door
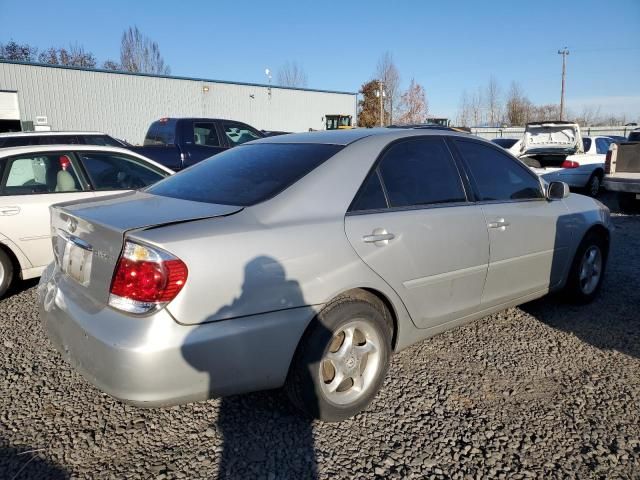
[201,140]
[30,184]
[412,224]
[528,235]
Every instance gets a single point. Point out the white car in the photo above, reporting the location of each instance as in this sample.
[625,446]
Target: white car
[557,152]
[34,178]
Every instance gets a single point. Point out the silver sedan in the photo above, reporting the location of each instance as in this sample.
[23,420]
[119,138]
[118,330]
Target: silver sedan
[307,260]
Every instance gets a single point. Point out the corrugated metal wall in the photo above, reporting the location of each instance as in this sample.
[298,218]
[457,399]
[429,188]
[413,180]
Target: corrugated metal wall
[124,105]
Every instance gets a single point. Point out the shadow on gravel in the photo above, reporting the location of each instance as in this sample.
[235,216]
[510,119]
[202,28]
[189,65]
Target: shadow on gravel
[24,463]
[263,435]
[21,286]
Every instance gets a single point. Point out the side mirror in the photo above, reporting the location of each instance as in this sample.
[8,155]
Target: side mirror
[557,191]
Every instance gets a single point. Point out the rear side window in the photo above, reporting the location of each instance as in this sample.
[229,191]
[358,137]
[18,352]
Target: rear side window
[246,175]
[204,133]
[371,196]
[634,136]
[586,144]
[111,171]
[420,172]
[39,173]
[602,145]
[496,175]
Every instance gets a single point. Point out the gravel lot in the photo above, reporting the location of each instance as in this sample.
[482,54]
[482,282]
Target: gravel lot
[545,390]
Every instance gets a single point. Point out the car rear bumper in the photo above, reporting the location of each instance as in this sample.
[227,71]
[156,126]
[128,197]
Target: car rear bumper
[154,361]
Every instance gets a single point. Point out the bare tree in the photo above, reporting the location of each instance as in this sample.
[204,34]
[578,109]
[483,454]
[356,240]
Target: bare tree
[476,105]
[493,102]
[139,53]
[74,56]
[291,74]
[18,52]
[518,106]
[111,65]
[464,111]
[387,72]
[413,105]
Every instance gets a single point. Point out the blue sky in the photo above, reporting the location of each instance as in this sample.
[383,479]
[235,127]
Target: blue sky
[446,46]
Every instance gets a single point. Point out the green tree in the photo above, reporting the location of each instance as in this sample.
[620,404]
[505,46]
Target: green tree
[369,105]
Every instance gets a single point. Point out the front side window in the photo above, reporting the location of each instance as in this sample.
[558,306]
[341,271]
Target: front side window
[111,171]
[238,133]
[420,172]
[496,175]
[40,173]
[245,175]
[204,133]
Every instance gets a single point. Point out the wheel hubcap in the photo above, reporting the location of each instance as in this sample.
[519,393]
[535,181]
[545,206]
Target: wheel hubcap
[1,274]
[590,269]
[351,362]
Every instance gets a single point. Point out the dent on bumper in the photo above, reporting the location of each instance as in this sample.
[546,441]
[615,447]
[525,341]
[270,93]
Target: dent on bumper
[154,361]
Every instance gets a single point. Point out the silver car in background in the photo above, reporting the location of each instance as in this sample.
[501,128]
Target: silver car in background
[306,260]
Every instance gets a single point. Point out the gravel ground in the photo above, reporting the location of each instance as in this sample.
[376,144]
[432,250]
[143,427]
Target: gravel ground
[545,390]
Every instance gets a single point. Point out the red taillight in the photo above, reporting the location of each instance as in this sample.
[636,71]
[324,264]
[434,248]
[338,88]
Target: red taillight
[570,164]
[607,162]
[145,279]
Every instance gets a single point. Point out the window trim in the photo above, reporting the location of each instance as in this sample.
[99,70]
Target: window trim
[4,173]
[442,138]
[474,188]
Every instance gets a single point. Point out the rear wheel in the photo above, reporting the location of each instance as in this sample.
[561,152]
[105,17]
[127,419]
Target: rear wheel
[342,359]
[6,273]
[594,184]
[587,270]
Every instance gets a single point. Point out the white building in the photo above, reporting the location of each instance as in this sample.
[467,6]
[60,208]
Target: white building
[43,97]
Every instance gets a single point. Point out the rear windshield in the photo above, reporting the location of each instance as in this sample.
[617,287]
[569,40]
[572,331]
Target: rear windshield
[245,175]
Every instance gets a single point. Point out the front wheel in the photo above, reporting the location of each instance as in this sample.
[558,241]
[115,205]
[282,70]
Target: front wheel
[342,359]
[6,273]
[587,270]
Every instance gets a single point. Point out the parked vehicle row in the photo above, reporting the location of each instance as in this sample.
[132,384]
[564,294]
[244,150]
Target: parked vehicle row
[33,178]
[557,152]
[306,260]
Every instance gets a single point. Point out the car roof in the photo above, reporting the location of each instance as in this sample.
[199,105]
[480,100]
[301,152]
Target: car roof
[347,136]
[24,150]
[46,133]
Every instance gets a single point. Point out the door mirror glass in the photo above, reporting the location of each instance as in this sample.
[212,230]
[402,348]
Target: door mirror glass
[557,191]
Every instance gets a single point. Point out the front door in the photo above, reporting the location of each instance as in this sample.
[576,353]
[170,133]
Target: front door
[411,223]
[528,235]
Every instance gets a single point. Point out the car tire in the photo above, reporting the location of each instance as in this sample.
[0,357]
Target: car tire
[587,269]
[594,184]
[325,355]
[628,202]
[6,272]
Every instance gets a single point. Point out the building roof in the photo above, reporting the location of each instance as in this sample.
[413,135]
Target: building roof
[172,77]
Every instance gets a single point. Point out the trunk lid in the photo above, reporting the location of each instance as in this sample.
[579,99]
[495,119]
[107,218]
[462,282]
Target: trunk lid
[551,138]
[88,235]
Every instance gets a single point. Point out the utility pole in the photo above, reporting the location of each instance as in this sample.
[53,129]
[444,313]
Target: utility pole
[564,52]
[380,93]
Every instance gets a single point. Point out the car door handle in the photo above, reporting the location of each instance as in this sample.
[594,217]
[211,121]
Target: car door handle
[501,223]
[379,236]
[7,211]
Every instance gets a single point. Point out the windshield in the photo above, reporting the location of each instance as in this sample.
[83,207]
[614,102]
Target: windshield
[245,175]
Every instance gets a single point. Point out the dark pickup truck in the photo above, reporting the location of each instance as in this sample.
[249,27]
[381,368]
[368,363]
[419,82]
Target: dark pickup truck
[178,143]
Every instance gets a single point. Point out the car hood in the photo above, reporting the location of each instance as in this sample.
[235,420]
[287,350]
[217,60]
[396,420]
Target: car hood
[549,138]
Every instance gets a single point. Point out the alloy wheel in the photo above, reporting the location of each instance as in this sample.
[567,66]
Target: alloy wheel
[590,269]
